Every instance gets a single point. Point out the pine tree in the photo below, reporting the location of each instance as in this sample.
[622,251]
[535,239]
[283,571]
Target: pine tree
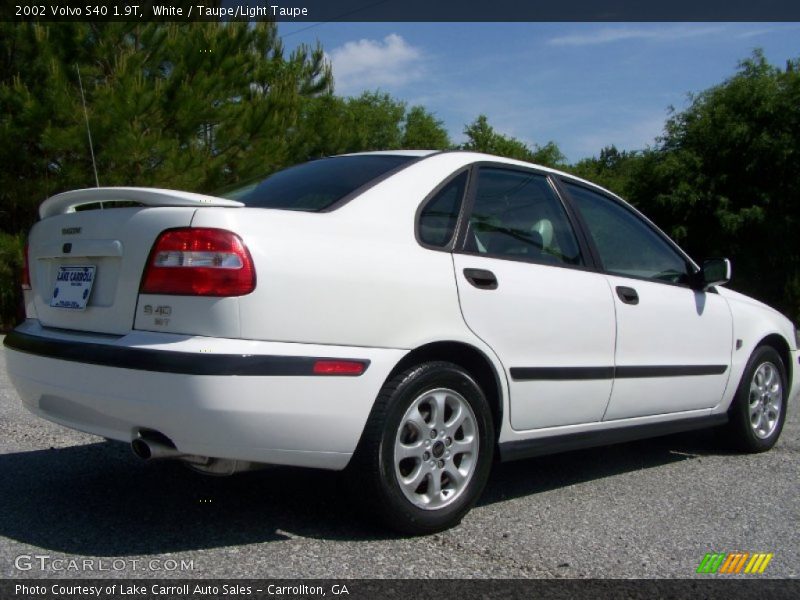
[189,106]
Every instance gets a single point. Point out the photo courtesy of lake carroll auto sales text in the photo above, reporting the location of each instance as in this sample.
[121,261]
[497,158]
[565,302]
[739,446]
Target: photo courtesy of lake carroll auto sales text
[185,589]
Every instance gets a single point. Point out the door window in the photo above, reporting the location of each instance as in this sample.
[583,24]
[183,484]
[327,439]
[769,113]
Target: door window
[517,214]
[627,245]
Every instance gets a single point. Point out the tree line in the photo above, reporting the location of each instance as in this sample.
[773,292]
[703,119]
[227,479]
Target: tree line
[201,106]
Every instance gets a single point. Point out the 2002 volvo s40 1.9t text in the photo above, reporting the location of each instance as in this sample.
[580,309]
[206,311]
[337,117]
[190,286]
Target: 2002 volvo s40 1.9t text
[409,316]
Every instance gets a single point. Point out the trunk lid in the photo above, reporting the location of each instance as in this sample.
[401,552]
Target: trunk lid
[116,242]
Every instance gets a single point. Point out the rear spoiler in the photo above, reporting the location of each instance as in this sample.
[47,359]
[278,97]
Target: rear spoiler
[68,201]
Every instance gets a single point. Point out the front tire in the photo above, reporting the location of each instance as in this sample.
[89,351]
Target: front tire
[758,410]
[426,451]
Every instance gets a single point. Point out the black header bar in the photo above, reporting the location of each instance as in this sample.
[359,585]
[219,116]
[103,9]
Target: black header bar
[399,11]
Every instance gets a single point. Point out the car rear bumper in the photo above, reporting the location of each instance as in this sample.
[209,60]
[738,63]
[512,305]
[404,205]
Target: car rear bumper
[224,398]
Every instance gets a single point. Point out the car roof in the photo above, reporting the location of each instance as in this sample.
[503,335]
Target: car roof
[472,156]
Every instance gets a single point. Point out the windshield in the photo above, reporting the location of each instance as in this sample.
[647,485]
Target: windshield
[316,185]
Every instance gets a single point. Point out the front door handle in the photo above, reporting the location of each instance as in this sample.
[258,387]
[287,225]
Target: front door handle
[627,295]
[481,278]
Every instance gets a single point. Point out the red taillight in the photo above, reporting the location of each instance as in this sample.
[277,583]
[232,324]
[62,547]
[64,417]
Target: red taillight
[197,261]
[26,271]
[338,367]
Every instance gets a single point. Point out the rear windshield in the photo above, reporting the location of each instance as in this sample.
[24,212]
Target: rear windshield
[315,185]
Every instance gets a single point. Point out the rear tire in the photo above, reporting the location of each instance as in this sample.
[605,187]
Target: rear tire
[758,410]
[426,451]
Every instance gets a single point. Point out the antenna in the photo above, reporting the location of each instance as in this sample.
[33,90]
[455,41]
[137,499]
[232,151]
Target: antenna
[88,131]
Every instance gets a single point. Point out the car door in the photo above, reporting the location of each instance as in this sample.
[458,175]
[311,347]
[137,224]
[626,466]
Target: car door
[674,342]
[526,289]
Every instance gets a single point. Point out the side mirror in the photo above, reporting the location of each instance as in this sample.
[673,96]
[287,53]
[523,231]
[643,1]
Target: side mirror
[715,271]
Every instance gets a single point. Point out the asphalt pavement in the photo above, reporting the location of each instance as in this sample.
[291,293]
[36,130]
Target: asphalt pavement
[75,505]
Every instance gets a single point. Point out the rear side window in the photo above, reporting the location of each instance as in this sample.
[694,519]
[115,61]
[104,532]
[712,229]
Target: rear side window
[316,185]
[437,221]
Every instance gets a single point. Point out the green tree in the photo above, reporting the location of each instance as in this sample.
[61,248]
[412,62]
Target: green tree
[615,170]
[481,137]
[191,106]
[727,178]
[549,155]
[321,129]
[372,121]
[423,131]
[332,125]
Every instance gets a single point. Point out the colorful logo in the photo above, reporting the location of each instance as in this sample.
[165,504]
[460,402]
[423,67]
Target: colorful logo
[734,563]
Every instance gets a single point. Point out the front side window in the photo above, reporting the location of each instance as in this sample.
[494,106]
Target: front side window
[627,245]
[517,214]
[438,218]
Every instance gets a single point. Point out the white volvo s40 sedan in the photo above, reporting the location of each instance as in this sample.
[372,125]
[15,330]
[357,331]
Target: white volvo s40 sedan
[408,315]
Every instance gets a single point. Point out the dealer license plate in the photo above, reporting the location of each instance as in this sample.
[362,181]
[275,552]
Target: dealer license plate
[73,287]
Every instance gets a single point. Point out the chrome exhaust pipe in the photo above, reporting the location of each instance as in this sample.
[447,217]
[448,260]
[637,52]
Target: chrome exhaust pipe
[153,450]
[153,445]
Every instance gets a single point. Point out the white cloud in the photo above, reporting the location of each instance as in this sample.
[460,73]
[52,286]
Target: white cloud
[608,35]
[762,31]
[369,64]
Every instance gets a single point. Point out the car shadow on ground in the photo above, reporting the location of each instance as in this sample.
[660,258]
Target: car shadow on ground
[98,500]
[540,474]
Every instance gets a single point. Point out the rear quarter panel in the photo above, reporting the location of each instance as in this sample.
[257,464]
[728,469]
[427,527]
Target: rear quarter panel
[354,276]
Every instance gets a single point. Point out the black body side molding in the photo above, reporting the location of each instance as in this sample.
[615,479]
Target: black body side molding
[619,372]
[167,361]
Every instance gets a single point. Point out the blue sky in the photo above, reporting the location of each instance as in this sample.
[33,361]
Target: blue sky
[582,85]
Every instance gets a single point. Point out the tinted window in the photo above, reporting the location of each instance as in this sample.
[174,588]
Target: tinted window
[316,185]
[437,221]
[627,245]
[517,214]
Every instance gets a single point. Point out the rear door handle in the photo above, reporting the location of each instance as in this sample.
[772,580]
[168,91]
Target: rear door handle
[481,278]
[627,295]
